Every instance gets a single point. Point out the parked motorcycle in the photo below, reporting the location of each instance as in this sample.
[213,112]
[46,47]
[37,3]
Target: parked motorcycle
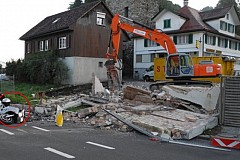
[8,113]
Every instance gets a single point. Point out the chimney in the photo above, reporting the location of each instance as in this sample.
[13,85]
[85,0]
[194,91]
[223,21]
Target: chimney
[185,2]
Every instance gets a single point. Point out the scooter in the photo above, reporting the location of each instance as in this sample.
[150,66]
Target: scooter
[8,113]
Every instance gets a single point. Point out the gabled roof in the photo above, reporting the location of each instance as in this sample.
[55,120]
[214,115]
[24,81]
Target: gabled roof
[194,20]
[166,10]
[215,13]
[62,20]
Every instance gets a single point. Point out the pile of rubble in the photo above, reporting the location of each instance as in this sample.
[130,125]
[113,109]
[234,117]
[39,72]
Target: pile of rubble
[173,112]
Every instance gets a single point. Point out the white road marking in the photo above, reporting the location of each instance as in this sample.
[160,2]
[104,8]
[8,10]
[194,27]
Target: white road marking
[59,152]
[42,129]
[5,131]
[21,130]
[100,145]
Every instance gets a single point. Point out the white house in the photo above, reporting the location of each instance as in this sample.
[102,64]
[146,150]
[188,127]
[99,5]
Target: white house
[209,33]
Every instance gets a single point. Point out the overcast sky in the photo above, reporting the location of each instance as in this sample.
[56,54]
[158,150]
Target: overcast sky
[19,16]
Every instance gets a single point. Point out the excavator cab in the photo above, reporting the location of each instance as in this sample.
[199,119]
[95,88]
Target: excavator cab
[179,66]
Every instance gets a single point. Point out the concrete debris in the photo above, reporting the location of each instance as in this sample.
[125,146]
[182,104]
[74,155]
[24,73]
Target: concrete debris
[174,112]
[206,97]
[72,104]
[137,94]
[97,86]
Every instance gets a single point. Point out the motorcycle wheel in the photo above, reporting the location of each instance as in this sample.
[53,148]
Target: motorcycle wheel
[9,120]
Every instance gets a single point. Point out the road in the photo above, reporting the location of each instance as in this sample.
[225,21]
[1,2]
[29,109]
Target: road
[45,141]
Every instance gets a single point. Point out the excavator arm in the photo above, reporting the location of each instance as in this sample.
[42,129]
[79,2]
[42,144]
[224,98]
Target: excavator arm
[116,27]
[152,34]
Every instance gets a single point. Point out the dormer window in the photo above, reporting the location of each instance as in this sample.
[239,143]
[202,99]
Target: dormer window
[101,18]
[167,23]
[56,20]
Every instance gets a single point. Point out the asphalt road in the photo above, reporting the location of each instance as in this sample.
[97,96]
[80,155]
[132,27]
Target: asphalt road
[45,141]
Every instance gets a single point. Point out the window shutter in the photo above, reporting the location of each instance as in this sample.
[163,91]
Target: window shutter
[190,38]
[226,43]
[145,43]
[175,39]
[219,39]
[214,40]
[206,38]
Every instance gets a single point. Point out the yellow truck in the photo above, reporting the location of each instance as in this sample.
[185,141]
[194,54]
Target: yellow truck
[226,62]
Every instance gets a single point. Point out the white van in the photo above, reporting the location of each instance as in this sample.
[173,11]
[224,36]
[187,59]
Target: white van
[148,74]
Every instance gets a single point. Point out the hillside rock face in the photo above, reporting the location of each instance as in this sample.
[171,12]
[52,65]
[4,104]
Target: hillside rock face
[138,10]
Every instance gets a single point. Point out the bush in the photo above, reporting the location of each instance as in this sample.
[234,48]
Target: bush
[40,68]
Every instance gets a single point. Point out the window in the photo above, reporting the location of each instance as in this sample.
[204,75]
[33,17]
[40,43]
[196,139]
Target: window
[28,47]
[152,57]
[227,16]
[233,45]
[211,40]
[101,18]
[41,45]
[62,43]
[126,11]
[138,58]
[149,43]
[146,58]
[227,27]
[222,42]
[46,45]
[230,28]
[183,39]
[167,23]
[100,64]
[223,26]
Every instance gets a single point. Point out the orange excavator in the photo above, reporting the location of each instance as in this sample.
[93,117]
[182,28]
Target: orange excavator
[178,66]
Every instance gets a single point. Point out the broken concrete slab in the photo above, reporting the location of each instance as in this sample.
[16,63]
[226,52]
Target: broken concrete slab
[177,123]
[72,104]
[97,86]
[207,97]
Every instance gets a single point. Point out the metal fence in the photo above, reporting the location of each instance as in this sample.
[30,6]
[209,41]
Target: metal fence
[7,85]
[230,101]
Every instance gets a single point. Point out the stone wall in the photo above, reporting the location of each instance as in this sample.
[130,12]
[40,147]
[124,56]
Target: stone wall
[139,10]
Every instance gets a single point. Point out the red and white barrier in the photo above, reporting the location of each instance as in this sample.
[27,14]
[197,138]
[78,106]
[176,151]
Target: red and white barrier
[225,142]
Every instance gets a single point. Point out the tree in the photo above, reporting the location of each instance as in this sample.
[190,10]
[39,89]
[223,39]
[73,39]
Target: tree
[207,8]
[166,4]
[89,1]
[75,4]
[225,3]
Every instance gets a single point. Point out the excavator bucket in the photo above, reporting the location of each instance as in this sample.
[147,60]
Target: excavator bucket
[112,75]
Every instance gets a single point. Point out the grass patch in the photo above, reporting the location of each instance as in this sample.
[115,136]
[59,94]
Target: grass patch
[28,89]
